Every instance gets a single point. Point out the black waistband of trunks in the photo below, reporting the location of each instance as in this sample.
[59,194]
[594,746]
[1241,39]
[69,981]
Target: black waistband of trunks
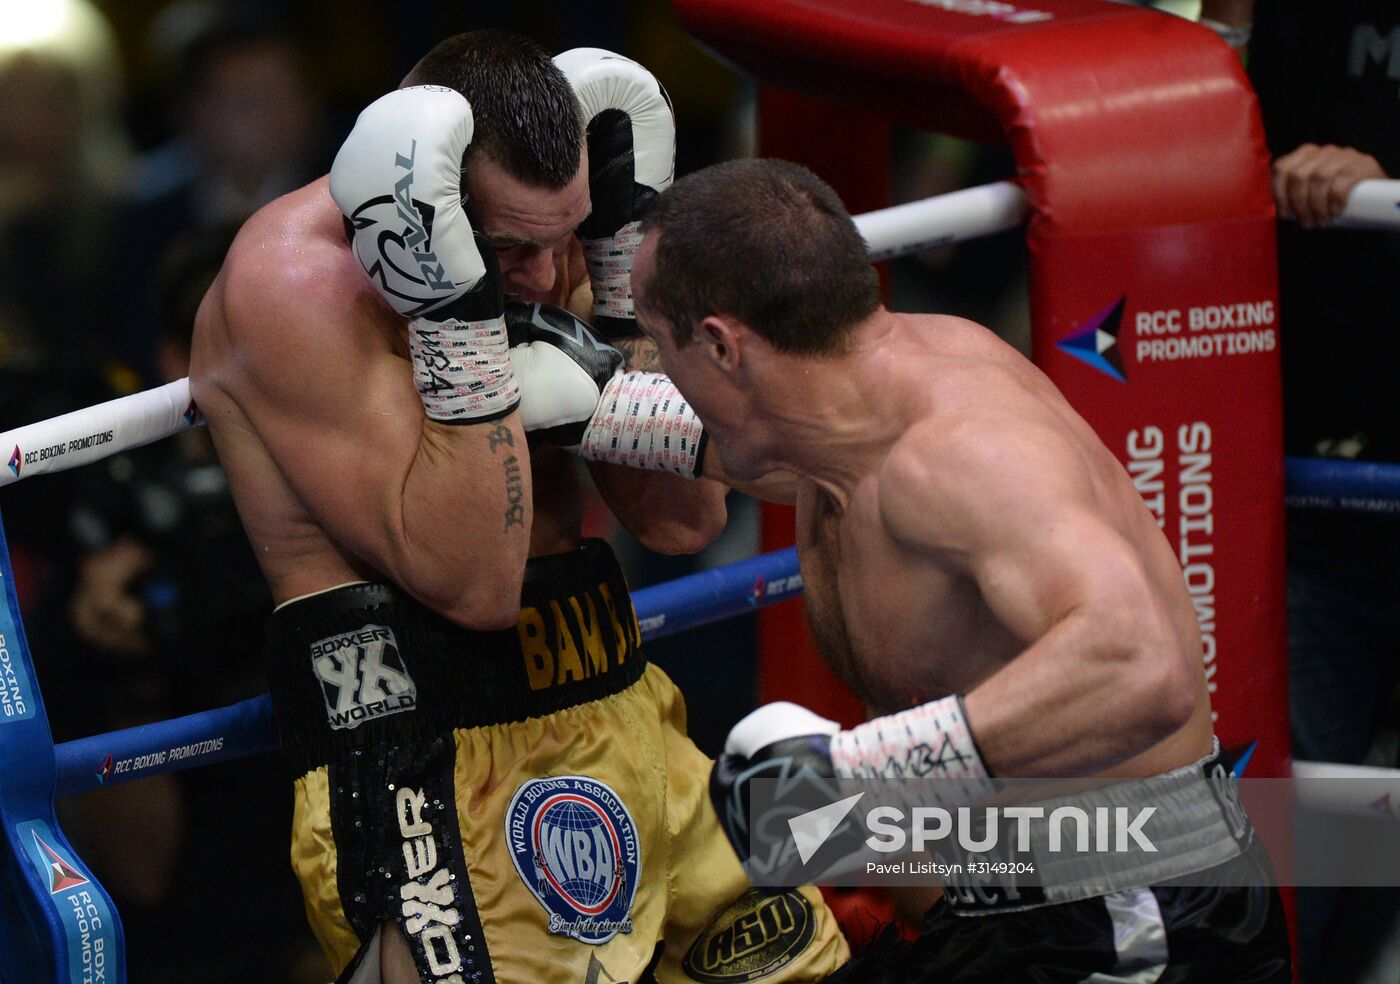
[362,663]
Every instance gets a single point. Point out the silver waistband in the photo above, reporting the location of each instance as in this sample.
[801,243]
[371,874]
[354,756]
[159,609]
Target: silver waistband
[1195,822]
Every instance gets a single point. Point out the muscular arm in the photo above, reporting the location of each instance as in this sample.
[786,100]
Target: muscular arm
[441,510]
[666,513]
[1104,675]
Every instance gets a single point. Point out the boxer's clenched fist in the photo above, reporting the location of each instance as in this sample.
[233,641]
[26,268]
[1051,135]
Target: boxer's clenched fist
[575,395]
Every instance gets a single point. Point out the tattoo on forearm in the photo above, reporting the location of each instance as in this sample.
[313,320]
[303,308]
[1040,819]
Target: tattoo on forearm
[515,494]
[640,354]
[500,434]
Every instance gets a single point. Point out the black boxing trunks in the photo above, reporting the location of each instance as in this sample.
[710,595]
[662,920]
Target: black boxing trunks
[523,805]
[1212,913]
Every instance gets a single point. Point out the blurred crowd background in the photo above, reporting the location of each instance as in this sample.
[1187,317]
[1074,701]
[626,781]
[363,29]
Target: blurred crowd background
[135,137]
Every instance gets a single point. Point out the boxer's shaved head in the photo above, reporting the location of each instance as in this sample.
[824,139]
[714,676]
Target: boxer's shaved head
[763,241]
[525,115]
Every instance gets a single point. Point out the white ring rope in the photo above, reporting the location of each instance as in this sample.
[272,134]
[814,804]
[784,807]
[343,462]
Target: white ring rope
[1363,790]
[942,220]
[1372,204]
[95,432]
[118,425]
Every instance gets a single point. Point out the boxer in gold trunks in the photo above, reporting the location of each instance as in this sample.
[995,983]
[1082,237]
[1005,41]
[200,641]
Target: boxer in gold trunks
[492,783]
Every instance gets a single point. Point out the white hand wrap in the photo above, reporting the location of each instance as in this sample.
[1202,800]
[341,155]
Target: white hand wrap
[397,178]
[462,369]
[642,421]
[931,741]
[610,262]
[629,116]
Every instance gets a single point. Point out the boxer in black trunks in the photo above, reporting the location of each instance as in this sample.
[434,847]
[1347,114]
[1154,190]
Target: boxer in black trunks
[977,566]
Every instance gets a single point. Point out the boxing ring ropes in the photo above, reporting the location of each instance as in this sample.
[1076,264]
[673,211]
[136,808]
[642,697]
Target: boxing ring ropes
[35,770]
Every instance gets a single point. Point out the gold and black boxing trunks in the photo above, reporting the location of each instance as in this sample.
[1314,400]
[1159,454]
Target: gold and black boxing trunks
[524,805]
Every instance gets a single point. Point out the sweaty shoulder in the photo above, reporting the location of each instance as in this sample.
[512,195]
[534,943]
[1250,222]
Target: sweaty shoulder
[289,277]
[958,337]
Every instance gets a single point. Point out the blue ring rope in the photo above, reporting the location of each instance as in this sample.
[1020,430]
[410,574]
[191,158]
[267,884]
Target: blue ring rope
[1354,486]
[663,609]
[247,728]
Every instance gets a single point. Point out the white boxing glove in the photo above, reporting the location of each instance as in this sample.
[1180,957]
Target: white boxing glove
[784,741]
[631,160]
[777,741]
[775,722]
[563,369]
[398,181]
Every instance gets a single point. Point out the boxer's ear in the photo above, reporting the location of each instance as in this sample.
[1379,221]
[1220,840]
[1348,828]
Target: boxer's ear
[723,340]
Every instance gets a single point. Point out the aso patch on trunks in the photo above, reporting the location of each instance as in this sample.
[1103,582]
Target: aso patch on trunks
[575,846]
[760,934]
[362,676]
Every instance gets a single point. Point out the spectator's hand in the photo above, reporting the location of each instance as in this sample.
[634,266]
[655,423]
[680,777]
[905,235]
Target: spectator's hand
[1311,183]
[104,611]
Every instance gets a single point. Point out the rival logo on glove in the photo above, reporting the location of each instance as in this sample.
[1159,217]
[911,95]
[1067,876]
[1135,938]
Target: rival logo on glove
[565,325]
[414,220]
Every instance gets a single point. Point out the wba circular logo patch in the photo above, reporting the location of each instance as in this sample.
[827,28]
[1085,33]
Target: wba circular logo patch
[575,846]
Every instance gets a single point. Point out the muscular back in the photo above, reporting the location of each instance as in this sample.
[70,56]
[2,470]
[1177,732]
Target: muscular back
[992,513]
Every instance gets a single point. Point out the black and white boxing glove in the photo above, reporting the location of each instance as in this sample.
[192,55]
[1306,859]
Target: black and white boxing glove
[563,369]
[398,181]
[777,741]
[631,160]
[789,742]
[575,395]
